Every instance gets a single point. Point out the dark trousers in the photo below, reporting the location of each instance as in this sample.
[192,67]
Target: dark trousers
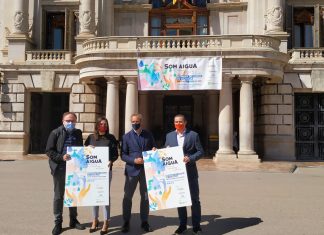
[59,187]
[195,207]
[129,189]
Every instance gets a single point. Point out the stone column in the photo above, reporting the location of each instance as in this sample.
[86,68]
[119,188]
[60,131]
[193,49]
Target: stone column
[274,23]
[87,23]
[131,101]
[19,41]
[225,120]
[112,105]
[246,121]
[255,16]
[20,16]
[144,109]
[274,18]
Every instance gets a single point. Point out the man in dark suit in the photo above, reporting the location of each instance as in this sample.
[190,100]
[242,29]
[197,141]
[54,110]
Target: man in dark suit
[193,151]
[57,143]
[133,144]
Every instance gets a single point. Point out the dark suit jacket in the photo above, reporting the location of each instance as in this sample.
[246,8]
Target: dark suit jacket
[191,148]
[132,149]
[55,146]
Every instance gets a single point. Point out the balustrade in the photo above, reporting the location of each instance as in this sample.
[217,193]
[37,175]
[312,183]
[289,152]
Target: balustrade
[58,57]
[309,55]
[192,43]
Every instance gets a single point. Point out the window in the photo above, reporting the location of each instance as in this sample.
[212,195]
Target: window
[202,25]
[60,28]
[303,27]
[185,17]
[155,26]
[55,28]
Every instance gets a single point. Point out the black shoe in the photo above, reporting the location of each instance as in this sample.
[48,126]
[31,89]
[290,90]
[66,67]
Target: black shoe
[57,229]
[105,226]
[197,230]
[146,227]
[103,232]
[94,226]
[125,227]
[180,229]
[74,223]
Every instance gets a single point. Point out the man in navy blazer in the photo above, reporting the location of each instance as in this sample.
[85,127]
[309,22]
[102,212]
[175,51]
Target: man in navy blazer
[134,143]
[192,151]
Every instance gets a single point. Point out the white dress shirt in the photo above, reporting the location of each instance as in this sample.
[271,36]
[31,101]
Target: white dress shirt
[181,138]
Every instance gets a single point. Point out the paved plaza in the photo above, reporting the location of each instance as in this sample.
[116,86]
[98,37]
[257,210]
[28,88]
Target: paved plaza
[279,199]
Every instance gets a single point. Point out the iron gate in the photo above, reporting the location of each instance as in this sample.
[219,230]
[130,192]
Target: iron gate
[309,124]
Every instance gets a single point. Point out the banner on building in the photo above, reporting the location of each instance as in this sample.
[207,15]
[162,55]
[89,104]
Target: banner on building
[87,177]
[166,178]
[180,73]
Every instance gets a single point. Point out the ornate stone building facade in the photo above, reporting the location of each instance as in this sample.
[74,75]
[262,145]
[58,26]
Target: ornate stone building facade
[80,56]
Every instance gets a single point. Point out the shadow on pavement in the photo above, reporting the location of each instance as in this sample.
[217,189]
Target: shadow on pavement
[226,225]
[210,224]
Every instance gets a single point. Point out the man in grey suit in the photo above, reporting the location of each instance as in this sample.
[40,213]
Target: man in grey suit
[193,151]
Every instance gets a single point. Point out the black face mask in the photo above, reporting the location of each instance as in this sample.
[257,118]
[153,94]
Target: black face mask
[136,126]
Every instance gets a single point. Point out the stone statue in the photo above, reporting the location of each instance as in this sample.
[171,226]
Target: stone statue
[85,21]
[18,21]
[274,20]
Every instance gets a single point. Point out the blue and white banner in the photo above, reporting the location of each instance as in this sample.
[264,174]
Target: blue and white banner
[180,73]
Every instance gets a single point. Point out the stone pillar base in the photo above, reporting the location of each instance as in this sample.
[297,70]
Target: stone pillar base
[248,157]
[13,143]
[18,44]
[222,157]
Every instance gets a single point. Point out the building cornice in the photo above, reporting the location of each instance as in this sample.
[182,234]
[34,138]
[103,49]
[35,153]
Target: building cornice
[227,6]
[133,7]
[59,2]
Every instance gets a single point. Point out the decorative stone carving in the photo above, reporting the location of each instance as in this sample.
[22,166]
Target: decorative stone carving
[274,20]
[85,21]
[18,21]
[87,17]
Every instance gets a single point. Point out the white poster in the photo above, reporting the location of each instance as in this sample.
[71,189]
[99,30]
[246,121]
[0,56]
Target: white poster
[180,73]
[166,178]
[87,177]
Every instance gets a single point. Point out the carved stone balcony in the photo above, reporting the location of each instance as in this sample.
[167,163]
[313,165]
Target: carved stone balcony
[242,54]
[50,57]
[184,43]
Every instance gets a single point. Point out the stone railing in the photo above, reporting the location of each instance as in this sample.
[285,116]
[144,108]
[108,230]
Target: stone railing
[49,57]
[309,55]
[181,43]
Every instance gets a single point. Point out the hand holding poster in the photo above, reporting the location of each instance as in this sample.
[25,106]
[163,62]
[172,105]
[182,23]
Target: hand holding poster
[87,177]
[166,178]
